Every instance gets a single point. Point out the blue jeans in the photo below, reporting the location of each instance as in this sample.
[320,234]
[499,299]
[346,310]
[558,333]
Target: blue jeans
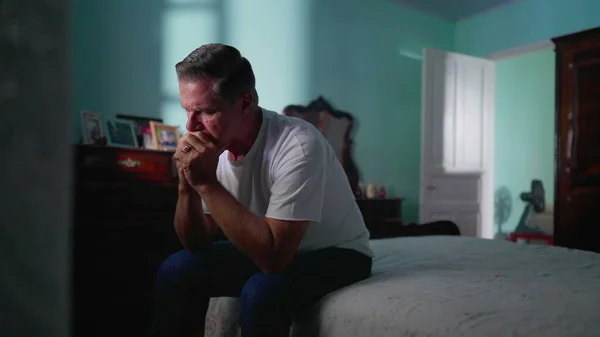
[186,281]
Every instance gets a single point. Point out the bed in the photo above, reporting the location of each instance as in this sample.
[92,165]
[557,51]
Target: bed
[453,286]
[441,285]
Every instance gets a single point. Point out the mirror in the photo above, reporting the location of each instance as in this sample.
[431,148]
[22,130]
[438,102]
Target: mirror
[337,127]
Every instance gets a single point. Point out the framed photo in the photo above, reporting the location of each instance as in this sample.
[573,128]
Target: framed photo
[147,141]
[120,132]
[142,125]
[164,137]
[92,128]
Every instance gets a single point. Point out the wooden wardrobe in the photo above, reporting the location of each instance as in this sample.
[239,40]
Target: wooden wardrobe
[577,191]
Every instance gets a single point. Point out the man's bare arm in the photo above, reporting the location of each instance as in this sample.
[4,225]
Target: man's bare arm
[194,229]
[270,243]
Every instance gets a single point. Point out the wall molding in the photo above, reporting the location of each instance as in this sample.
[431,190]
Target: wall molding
[520,50]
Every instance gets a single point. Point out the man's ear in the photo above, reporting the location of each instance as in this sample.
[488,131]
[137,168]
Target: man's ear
[246,103]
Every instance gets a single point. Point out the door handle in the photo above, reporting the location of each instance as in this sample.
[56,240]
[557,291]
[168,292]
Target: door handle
[430,188]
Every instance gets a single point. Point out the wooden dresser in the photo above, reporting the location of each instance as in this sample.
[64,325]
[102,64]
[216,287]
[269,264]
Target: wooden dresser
[382,216]
[124,207]
[577,192]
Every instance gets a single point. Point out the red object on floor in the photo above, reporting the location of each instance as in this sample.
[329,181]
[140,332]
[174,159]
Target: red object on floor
[532,236]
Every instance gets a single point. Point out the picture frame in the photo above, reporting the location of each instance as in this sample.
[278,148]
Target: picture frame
[142,124]
[120,133]
[164,137]
[147,141]
[92,128]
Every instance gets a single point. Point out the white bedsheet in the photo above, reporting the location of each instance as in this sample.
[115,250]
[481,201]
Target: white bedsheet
[454,286]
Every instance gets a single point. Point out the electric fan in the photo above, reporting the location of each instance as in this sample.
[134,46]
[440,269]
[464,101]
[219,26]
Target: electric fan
[536,202]
[502,210]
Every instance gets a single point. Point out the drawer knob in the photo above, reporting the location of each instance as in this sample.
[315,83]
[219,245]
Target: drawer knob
[129,163]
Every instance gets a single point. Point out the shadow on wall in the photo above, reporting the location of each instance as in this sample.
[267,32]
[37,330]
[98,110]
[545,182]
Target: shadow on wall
[123,53]
[503,207]
[116,57]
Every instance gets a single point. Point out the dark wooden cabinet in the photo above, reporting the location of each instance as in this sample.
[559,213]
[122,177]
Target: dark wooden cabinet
[124,207]
[577,200]
[382,217]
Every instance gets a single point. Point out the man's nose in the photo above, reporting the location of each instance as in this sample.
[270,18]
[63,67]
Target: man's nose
[193,124]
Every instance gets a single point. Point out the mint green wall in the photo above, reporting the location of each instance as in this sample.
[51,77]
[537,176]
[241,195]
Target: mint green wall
[524,22]
[524,127]
[364,56]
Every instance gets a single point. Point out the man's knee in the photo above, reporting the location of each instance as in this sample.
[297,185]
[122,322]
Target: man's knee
[261,295]
[177,268]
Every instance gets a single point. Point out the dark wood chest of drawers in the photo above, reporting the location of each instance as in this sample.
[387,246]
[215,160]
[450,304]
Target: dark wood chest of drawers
[124,207]
[383,217]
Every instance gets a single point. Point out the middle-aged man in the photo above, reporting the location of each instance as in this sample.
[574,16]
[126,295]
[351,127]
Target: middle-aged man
[274,187]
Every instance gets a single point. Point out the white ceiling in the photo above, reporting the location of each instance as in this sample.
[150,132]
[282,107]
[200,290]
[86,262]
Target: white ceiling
[455,9]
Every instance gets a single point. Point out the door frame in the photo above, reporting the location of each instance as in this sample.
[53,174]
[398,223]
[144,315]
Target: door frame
[486,223]
[520,50]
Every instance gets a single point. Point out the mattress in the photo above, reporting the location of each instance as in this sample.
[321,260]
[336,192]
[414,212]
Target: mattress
[453,286]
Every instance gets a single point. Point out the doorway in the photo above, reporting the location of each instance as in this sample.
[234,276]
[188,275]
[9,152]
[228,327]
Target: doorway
[503,104]
[524,139]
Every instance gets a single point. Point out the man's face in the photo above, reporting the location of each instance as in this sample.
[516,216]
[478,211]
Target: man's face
[210,114]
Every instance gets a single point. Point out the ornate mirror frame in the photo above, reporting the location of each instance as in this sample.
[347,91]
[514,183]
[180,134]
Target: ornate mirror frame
[325,118]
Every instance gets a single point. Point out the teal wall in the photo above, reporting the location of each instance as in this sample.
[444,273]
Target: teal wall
[524,128]
[364,56]
[524,22]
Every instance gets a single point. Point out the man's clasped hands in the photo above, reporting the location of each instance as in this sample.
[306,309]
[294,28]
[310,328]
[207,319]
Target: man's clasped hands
[197,155]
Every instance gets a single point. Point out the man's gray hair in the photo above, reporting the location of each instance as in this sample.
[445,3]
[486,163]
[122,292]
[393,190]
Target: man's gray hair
[231,72]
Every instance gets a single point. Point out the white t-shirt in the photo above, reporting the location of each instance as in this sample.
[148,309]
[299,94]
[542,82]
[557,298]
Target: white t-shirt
[292,173]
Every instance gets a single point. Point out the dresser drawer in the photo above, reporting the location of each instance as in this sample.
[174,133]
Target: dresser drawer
[125,199]
[105,164]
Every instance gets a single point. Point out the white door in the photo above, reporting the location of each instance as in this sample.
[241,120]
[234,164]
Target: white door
[457,144]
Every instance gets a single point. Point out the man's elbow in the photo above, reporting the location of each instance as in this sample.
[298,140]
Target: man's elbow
[274,265]
[194,249]
[195,246]
[272,270]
